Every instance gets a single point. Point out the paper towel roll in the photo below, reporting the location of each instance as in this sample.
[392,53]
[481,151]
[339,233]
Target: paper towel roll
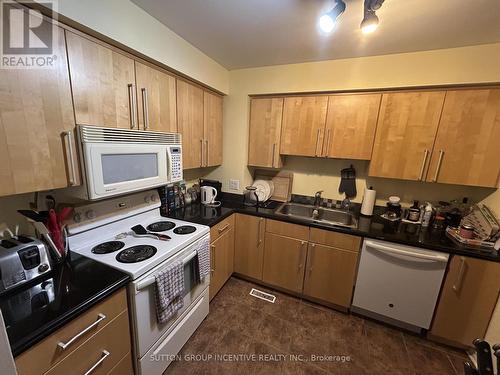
[368,202]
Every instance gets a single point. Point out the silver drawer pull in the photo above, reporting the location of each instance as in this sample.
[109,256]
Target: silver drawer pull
[105,355]
[223,228]
[72,179]
[63,345]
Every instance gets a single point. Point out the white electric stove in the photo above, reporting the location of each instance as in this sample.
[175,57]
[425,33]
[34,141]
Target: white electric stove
[102,231]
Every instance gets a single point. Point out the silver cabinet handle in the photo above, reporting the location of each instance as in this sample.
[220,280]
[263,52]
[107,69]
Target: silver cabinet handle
[460,277]
[207,153]
[424,162]
[105,354]
[317,142]
[259,232]
[327,151]
[63,345]
[132,104]
[201,143]
[223,228]
[311,258]
[438,167]
[69,139]
[145,107]
[274,151]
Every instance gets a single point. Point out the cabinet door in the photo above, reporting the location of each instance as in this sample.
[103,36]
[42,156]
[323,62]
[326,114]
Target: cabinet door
[468,297]
[284,261]
[265,131]
[468,139]
[303,126]
[221,259]
[36,114]
[103,84]
[156,99]
[212,128]
[350,126]
[406,130]
[330,274]
[190,123]
[249,246]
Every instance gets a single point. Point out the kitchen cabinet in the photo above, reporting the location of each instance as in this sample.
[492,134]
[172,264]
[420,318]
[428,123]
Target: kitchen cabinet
[303,125]
[103,84]
[37,139]
[330,274]
[350,126]
[468,298]
[466,146]
[265,132]
[212,128]
[221,254]
[190,123]
[110,334]
[249,245]
[406,129]
[157,105]
[284,262]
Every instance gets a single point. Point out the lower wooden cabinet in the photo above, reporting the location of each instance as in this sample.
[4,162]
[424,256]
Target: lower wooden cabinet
[284,262]
[330,274]
[221,259]
[467,301]
[249,245]
[108,342]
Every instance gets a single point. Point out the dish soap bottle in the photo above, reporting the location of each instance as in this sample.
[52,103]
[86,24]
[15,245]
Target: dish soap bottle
[426,220]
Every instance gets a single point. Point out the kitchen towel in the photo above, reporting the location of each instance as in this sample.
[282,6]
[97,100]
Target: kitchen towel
[169,285]
[348,182]
[203,256]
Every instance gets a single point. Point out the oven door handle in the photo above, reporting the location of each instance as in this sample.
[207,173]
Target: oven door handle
[151,280]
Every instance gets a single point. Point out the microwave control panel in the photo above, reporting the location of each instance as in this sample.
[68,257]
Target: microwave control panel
[176,157]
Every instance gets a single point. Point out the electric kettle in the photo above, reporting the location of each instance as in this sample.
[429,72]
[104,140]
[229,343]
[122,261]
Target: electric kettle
[208,195]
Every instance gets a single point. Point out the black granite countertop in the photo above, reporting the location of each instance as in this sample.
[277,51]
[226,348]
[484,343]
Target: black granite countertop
[371,227]
[34,311]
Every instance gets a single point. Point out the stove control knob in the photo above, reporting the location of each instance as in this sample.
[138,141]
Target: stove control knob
[43,267]
[153,198]
[90,214]
[77,217]
[146,199]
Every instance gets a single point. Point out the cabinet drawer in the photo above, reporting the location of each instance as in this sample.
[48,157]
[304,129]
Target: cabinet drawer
[104,350]
[281,228]
[335,239]
[47,353]
[219,229]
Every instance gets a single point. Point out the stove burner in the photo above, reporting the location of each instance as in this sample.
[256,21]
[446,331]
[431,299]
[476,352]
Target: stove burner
[136,254]
[160,226]
[185,229]
[107,247]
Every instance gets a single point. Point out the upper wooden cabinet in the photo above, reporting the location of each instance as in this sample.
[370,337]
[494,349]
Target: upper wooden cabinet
[37,140]
[406,129]
[350,126]
[249,245]
[190,123]
[468,298]
[303,125]
[156,99]
[103,84]
[265,132]
[468,139]
[212,128]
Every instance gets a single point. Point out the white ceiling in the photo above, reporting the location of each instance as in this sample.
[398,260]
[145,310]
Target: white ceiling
[251,33]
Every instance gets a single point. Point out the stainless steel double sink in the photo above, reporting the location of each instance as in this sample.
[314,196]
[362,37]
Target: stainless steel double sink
[323,215]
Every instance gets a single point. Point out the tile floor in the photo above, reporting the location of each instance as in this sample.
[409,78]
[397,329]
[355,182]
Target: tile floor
[291,330]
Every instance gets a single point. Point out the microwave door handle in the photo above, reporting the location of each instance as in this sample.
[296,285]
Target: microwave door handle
[151,280]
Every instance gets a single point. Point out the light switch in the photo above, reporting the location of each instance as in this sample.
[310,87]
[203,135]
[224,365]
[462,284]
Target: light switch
[234,184]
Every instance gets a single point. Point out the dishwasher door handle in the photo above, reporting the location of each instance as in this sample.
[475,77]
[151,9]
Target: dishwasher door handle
[393,250]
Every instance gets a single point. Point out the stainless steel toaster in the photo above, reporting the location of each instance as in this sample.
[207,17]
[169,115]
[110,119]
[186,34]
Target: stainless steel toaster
[22,259]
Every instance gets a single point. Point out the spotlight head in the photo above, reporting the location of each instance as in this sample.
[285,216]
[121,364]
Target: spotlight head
[327,21]
[369,23]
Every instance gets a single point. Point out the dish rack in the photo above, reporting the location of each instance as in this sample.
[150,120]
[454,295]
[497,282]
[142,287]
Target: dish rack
[454,235]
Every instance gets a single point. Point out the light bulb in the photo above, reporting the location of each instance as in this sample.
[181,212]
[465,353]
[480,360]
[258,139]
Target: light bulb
[369,23]
[326,23]
[370,28]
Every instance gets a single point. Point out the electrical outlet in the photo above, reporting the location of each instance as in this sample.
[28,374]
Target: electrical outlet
[234,185]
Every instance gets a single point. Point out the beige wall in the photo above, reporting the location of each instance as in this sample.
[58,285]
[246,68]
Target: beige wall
[128,24]
[475,64]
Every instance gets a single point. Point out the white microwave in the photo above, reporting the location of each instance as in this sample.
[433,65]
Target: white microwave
[120,161]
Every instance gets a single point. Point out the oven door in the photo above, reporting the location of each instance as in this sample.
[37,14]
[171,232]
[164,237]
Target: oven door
[113,169]
[147,330]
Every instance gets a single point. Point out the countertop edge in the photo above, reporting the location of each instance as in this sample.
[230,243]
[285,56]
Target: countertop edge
[65,318]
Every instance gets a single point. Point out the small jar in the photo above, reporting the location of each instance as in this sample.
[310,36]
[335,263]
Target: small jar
[466,231]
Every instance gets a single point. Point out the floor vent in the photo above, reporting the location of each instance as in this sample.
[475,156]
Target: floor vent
[262,295]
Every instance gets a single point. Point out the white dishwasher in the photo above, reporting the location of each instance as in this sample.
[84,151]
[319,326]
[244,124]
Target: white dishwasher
[398,282]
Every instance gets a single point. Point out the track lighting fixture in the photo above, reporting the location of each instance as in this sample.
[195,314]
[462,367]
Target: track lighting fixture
[327,20]
[370,19]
